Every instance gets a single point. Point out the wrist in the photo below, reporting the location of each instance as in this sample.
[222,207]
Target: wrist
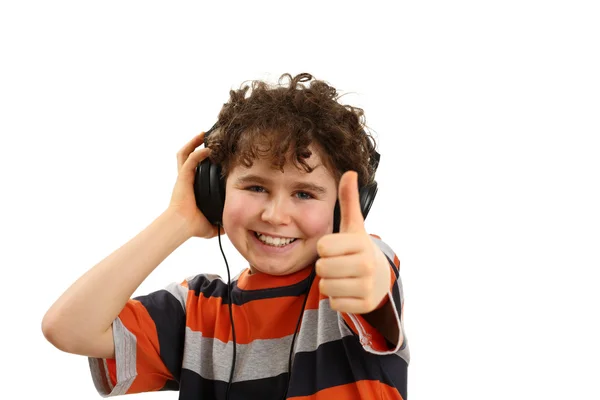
[175,225]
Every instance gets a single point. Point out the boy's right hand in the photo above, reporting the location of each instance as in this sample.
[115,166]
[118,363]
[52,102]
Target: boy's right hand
[183,200]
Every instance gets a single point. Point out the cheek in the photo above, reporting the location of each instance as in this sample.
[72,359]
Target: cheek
[317,223]
[235,212]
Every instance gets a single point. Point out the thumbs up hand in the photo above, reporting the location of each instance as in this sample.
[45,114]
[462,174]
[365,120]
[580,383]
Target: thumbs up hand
[353,270]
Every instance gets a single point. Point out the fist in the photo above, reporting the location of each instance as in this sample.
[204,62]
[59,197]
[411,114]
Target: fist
[353,270]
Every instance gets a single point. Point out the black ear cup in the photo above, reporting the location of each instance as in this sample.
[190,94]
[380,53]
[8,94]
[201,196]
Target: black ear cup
[209,190]
[366,196]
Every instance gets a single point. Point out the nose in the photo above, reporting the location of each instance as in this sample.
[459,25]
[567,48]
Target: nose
[275,212]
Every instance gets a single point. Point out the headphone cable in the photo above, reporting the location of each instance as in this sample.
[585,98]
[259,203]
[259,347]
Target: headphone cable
[310,281]
[230,313]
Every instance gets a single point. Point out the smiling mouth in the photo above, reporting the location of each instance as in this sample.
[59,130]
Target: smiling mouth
[273,241]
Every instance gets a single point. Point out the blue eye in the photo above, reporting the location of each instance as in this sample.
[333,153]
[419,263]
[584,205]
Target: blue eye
[260,189]
[304,195]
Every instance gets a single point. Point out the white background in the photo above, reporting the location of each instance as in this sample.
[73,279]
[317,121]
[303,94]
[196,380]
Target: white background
[487,116]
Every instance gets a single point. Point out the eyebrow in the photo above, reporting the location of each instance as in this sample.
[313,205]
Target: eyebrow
[247,179]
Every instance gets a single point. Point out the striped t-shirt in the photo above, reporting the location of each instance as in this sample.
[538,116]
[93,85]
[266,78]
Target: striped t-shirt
[180,338]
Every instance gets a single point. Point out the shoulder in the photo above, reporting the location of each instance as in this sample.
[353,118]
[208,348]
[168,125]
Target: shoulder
[207,284]
[182,292]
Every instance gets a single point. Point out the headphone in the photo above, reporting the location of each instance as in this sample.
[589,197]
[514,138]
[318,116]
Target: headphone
[209,190]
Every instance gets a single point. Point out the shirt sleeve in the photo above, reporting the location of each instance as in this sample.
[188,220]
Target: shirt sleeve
[148,335]
[370,338]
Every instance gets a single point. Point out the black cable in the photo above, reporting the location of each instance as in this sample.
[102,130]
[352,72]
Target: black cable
[310,280]
[230,312]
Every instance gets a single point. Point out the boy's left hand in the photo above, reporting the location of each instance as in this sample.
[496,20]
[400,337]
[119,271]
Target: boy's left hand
[354,272]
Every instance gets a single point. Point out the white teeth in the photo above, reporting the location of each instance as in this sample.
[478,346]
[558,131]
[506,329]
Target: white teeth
[273,241]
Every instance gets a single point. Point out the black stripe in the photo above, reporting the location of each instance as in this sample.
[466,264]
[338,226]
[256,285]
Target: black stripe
[396,271]
[335,363]
[218,288]
[170,385]
[194,387]
[168,316]
[396,370]
[341,362]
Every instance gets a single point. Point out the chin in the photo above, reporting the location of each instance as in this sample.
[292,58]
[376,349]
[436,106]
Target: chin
[275,270]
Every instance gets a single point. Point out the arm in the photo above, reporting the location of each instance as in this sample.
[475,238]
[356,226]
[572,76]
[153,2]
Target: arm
[80,321]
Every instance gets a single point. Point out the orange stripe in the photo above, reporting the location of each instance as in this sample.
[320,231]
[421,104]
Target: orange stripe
[253,320]
[152,373]
[356,390]
[111,365]
[260,281]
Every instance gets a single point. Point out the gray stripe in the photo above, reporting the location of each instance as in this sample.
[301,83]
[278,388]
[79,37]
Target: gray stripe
[125,355]
[404,351]
[179,292]
[211,358]
[100,375]
[319,327]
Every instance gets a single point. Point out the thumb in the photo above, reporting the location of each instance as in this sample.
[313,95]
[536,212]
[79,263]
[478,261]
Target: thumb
[351,218]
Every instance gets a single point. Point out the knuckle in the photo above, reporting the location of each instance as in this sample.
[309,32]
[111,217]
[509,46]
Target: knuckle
[319,267]
[322,286]
[366,266]
[368,285]
[321,245]
[334,304]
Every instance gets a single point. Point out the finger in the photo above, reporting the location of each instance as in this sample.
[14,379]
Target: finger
[351,218]
[350,305]
[344,287]
[185,151]
[352,266]
[187,171]
[338,244]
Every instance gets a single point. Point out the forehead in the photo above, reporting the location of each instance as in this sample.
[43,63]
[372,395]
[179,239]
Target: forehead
[263,164]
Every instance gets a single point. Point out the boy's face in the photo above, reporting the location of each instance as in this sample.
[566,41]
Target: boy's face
[265,208]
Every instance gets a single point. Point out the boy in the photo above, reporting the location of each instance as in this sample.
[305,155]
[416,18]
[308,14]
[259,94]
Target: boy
[317,313]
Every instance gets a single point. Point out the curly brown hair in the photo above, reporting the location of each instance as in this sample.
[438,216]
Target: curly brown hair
[282,121]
